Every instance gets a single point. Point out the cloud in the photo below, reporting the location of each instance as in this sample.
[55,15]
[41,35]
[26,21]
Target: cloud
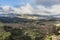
[46,2]
[41,10]
[5,8]
[29,9]
[53,10]
[26,9]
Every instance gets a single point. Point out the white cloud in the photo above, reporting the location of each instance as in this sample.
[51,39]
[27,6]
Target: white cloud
[29,9]
[26,9]
[46,2]
[55,9]
[5,8]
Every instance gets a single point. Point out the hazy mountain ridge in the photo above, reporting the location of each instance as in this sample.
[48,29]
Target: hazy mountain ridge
[13,18]
[29,15]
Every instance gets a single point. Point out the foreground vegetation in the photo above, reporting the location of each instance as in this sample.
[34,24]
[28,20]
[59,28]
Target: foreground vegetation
[28,31]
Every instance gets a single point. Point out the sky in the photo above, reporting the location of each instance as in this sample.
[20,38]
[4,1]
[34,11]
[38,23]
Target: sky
[13,2]
[41,7]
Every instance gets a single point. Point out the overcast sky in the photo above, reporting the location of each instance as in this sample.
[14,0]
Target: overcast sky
[41,7]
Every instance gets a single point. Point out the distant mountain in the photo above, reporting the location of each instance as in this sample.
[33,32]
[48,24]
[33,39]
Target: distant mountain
[9,15]
[40,16]
[13,18]
[27,15]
